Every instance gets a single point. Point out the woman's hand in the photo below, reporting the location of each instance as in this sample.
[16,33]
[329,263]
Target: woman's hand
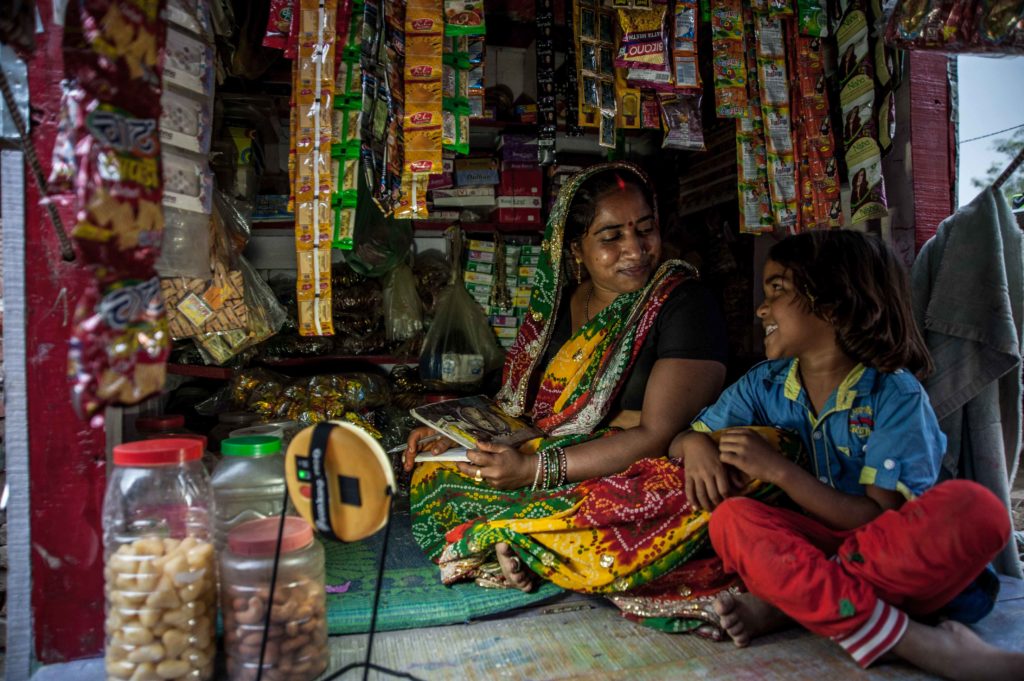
[707,478]
[751,454]
[413,447]
[503,467]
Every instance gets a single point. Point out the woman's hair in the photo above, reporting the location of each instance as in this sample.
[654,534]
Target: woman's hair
[583,207]
[854,281]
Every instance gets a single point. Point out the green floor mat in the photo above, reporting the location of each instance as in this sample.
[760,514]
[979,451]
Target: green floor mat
[413,595]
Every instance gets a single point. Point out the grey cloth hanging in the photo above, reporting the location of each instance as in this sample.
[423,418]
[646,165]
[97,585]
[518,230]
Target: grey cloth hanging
[968,299]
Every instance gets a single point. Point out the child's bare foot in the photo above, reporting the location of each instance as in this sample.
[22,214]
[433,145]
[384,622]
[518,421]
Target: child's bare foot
[953,651]
[517,574]
[745,617]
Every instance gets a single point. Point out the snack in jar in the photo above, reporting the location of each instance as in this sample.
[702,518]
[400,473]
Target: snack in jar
[160,571]
[296,641]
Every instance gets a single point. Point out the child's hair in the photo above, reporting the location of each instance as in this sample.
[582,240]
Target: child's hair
[854,281]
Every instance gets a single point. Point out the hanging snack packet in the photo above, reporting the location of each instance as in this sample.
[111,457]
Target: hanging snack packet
[684,45]
[314,85]
[119,345]
[412,204]
[728,58]
[857,99]
[684,129]
[812,18]
[279,24]
[644,38]
[464,17]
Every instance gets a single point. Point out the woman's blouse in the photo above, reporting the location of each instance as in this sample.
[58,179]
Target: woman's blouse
[689,326]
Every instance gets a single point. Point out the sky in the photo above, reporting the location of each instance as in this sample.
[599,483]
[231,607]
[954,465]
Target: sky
[991,99]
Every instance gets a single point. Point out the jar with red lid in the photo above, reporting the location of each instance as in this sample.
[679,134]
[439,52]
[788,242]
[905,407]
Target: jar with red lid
[297,638]
[160,571]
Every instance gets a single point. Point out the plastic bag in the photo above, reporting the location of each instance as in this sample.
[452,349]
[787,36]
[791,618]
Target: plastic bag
[265,316]
[378,243]
[185,251]
[403,312]
[460,347]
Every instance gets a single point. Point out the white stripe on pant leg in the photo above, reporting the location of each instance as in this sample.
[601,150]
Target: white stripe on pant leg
[877,636]
[854,639]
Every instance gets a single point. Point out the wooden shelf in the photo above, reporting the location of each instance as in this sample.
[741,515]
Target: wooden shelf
[321,359]
[200,371]
[504,227]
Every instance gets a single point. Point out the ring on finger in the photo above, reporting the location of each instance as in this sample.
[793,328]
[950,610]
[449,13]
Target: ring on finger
[479,476]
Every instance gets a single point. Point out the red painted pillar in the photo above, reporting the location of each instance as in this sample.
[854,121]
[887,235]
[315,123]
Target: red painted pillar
[67,458]
[933,143]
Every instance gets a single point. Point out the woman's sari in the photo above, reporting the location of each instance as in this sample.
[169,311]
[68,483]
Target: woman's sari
[633,535]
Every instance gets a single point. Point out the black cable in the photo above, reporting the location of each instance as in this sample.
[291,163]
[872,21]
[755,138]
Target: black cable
[380,582]
[273,583]
[366,664]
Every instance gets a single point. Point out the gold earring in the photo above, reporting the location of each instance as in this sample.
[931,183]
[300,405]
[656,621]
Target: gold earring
[579,270]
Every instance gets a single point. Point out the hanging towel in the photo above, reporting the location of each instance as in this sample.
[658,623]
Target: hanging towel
[968,292]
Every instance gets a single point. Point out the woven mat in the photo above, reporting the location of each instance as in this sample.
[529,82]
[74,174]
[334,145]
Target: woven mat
[413,595]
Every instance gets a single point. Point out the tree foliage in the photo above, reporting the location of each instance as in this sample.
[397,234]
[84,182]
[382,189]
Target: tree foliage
[1008,148]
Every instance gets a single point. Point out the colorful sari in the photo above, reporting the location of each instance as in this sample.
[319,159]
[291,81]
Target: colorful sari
[633,535]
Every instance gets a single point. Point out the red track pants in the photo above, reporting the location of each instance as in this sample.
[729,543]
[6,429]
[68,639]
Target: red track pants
[857,586]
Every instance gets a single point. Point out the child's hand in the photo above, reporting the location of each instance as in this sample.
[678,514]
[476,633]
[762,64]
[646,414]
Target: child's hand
[751,454]
[707,480]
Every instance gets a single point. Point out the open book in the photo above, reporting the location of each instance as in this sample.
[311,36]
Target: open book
[467,420]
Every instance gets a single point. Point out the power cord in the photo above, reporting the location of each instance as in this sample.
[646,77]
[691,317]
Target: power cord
[366,665]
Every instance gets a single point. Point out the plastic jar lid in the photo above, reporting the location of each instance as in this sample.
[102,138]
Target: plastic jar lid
[264,430]
[252,445]
[236,418]
[155,424]
[259,537]
[162,452]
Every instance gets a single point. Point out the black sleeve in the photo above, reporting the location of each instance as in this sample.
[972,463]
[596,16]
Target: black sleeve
[691,325]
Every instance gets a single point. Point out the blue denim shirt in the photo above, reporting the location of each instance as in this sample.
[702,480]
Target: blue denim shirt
[875,429]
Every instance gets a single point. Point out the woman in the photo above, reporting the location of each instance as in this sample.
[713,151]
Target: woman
[611,366]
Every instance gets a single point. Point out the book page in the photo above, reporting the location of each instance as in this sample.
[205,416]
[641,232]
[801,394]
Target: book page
[468,420]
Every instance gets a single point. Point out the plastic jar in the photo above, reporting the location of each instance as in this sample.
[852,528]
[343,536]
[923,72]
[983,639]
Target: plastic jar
[283,429]
[160,572]
[297,639]
[248,482]
[226,422]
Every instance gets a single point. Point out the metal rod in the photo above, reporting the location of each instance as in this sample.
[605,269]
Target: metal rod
[1014,164]
[66,251]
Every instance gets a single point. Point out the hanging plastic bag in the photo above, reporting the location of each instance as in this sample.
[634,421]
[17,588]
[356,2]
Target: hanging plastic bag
[460,347]
[403,311]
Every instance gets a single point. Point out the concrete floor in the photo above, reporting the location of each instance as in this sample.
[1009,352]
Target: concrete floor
[583,638]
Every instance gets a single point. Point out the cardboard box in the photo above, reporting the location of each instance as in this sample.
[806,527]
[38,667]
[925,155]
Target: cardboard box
[480,245]
[517,216]
[504,320]
[478,278]
[518,202]
[464,196]
[441,181]
[508,332]
[477,266]
[522,182]
[476,171]
[481,256]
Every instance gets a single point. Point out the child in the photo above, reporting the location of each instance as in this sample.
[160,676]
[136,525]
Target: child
[876,542]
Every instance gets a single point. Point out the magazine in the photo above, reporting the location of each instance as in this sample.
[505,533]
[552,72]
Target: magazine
[453,454]
[468,420]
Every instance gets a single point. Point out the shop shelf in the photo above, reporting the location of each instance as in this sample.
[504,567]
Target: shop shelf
[200,371]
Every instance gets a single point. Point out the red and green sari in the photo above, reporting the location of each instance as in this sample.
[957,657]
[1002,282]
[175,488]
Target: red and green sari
[632,536]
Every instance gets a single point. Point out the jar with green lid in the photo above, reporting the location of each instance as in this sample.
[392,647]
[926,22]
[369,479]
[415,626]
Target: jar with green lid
[248,482]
